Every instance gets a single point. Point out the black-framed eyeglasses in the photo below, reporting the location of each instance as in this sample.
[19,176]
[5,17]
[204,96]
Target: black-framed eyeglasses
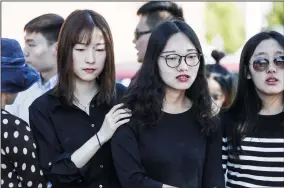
[138,34]
[174,60]
[261,64]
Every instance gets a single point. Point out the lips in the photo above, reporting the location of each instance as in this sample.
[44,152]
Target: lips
[271,81]
[89,70]
[183,78]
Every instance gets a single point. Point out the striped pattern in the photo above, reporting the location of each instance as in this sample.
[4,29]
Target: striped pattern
[261,163]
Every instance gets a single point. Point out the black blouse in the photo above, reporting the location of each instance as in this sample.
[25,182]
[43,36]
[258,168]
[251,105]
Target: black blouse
[59,130]
[174,152]
[19,164]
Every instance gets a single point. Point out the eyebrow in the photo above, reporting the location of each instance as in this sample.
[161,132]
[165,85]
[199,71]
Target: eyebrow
[279,52]
[173,51]
[83,43]
[29,40]
[102,43]
[260,53]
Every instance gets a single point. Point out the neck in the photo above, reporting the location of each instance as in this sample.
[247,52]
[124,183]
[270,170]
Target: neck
[271,104]
[175,101]
[3,101]
[85,91]
[45,76]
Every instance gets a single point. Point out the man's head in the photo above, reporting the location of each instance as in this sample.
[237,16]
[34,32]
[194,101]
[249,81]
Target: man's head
[41,35]
[152,14]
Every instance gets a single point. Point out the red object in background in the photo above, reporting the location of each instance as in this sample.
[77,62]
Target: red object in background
[126,70]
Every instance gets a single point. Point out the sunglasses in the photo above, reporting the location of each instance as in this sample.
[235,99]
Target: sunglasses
[138,34]
[262,64]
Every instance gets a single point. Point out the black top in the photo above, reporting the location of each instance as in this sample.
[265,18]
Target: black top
[19,164]
[174,152]
[59,130]
[261,160]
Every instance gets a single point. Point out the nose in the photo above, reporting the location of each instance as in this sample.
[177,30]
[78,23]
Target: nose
[134,41]
[182,66]
[271,68]
[25,51]
[90,57]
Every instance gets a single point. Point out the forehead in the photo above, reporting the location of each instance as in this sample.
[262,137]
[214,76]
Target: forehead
[179,42]
[142,24]
[94,36]
[269,47]
[35,37]
[214,86]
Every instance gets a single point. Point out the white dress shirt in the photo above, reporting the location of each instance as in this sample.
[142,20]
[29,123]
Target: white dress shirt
[20,107]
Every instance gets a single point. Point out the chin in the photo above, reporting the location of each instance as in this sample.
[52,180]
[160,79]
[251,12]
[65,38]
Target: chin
[272,91]
[88,78]
[183,86]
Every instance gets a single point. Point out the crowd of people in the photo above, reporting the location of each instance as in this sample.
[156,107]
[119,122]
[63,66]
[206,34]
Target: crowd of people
[181,123]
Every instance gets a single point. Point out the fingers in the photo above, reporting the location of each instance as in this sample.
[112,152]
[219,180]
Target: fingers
[118,124]
[121,116]
[121,111]
[115,108]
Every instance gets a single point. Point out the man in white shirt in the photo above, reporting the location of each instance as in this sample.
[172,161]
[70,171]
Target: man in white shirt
[41,35]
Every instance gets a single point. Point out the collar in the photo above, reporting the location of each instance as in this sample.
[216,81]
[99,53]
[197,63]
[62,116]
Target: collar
[49,84]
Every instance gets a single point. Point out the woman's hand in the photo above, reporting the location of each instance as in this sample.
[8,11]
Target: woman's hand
[115,118]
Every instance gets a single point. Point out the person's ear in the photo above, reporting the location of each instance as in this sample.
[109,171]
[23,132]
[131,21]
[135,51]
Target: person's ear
[54,48]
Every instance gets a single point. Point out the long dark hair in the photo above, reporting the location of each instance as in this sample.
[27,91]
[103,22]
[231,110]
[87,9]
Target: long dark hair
[145,96]
[222,76]
[243,113]
[80,24]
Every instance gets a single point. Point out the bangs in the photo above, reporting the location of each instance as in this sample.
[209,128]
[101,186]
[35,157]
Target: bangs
[85,36]
[85,29]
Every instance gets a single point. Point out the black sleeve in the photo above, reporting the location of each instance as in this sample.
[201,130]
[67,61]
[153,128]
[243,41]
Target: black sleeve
[127,160]
[56,163]
[213,175]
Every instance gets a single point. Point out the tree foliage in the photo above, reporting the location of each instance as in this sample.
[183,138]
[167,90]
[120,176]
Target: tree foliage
[276,16]
[226,20]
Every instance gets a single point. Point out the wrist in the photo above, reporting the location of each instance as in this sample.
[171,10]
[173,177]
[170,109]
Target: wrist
[102,137]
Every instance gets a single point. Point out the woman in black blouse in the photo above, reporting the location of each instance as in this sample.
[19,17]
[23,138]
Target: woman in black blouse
[171,140]
[73,122]
[19,164]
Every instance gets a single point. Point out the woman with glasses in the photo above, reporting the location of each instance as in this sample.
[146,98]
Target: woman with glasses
[254,125]
[171,139]
[220,81]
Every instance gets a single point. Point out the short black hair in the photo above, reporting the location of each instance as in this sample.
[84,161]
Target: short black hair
[48,25]
[153,11]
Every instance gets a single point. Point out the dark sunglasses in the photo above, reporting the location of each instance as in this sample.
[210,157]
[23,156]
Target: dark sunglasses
[262,64]
[138,34]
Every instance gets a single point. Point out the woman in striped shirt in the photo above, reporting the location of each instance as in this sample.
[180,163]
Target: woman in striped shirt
[253,143]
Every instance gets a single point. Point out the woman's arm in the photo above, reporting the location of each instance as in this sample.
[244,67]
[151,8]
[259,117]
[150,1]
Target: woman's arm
[213,175]
[58,165]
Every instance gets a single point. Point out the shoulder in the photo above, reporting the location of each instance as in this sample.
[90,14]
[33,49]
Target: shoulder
[125,131]
[11,122]
[46,101]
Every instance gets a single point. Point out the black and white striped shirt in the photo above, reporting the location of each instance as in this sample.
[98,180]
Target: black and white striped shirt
[261,162]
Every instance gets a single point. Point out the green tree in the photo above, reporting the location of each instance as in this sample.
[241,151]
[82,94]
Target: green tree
[276,16]
[226,20]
